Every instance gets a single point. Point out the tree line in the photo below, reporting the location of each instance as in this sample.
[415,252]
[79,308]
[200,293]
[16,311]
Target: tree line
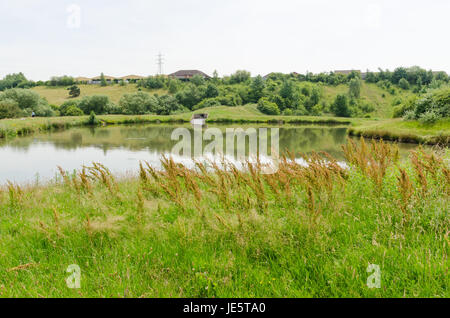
[275,94]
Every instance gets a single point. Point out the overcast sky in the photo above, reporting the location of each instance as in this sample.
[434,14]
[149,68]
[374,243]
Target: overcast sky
[43,38]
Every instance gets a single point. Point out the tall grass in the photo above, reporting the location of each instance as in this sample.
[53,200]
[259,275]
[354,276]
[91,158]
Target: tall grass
[308,230]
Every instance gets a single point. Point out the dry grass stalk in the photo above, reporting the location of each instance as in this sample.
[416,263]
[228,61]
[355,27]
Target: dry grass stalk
[406,191]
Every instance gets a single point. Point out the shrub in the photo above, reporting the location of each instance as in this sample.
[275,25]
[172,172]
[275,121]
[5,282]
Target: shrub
[267,107]
[66,105]
[408,105]
[208,102]
[73,111]
[429,118]
[404,84]
[93,119]
[9,109]
[340,106]
[167,104]
[240,76]
[190,96]
[211,91]
[409,115]
[355,88]
[25,98]
[138,103]
[229,100]
[44,110]
[98,104]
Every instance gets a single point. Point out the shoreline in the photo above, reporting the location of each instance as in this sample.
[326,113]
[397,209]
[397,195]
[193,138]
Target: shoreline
[388,129]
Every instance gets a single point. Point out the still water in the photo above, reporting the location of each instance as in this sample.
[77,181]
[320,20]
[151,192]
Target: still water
[120,148]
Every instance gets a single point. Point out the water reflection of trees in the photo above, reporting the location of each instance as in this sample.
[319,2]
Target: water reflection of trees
[158,138]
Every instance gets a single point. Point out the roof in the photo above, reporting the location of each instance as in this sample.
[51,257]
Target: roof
[82,79]
[132,77]
[188,73]
[97,78]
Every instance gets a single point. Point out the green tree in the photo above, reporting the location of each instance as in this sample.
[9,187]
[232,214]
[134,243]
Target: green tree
[138,103]
[103,80]
[74,91]
[9,109]
[98,104]
[240,76]
[197,80]
[355,88]
[267,107]
[403,83]
[25,98]
[73,111]
[340,106]
[211,91]
[167,104]
[256,89]
[12,81]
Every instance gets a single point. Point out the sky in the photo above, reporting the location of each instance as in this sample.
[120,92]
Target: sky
[44,38]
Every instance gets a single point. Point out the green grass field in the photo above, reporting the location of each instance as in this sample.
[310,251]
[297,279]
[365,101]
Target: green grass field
[59,95]
[297,233]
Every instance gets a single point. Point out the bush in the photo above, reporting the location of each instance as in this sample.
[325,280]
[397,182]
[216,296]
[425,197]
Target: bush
[229,100]
[93,119]
[409,115]
[267,107]
[340,106]
[355,88]
[138,103]
[408,105]
[429,118]
[167,104]
[404,84]
[25,98]
[98,104]
[190,96]
[208,102]
[73,111]
[211,91]
[9,109]
[44,110]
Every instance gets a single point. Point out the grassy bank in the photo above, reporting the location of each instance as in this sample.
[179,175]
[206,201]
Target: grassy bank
[220,114]
[406,131]
[388,129]
[179,233]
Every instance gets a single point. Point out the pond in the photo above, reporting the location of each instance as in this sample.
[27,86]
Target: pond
[120,148]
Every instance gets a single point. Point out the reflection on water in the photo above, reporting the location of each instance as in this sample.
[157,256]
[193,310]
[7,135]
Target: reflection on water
[120,148]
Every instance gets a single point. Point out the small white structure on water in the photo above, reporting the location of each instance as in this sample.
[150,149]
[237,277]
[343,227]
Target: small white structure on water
[199,119]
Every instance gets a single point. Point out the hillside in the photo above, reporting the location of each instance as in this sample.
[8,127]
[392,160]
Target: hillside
[58,95]
[378,97]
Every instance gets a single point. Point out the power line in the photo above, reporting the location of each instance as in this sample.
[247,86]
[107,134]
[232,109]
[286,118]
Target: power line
[160,62]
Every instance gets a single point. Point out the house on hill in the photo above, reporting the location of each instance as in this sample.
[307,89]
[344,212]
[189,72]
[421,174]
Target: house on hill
[83,80]
[97,79]
[188,74]
[131,78]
